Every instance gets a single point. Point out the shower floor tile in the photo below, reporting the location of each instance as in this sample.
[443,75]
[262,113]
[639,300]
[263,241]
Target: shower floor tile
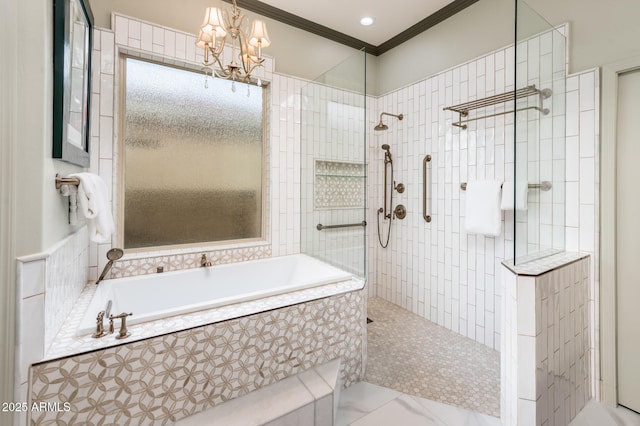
[415,356]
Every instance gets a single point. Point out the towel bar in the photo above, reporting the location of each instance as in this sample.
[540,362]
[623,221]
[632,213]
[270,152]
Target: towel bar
[66,181]
[545,185]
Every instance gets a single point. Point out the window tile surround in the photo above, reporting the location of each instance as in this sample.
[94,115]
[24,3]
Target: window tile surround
[166,45]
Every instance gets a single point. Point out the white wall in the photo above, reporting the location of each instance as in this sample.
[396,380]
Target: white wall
[8,145]
[601,32]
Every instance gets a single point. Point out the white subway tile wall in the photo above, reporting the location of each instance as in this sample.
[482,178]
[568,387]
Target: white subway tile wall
[435,269]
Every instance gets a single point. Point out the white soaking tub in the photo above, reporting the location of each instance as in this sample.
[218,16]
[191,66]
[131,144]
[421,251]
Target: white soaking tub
[155,296]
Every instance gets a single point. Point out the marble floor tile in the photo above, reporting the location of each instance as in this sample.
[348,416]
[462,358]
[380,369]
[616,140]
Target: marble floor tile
[415,356]
[365,404]
[597,414]
[361,399]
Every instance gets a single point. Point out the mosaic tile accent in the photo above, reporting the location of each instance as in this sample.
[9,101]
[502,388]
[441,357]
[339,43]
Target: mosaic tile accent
[412,355]
[166,378]
[132,266]
[339,185]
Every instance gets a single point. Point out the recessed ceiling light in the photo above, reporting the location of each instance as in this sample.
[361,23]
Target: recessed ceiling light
[366,21]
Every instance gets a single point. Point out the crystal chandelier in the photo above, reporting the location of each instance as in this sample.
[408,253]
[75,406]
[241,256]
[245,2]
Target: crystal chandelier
[246,52]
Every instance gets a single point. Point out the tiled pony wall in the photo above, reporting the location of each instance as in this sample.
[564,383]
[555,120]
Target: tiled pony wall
[435,269]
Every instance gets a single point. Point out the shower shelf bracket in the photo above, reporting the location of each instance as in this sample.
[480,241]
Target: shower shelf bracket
[525,92]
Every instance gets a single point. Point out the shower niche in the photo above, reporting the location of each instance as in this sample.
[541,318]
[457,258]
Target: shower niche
[338,185]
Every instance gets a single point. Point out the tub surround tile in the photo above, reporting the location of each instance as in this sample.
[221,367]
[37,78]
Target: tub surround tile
[68,344]
[203,366]
[132,265]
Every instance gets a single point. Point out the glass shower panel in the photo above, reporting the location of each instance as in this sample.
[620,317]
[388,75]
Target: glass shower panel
[539,135]
[333,171]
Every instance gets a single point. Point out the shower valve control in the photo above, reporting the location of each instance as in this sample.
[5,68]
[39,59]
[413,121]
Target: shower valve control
[400,211]
[399,187]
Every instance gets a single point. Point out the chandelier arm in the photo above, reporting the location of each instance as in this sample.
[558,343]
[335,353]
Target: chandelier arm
[220,70]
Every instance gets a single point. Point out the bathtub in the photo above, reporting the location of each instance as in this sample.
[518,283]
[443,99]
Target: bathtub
[155,296]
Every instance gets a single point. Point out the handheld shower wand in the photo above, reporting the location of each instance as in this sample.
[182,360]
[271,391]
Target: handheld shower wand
[387,160]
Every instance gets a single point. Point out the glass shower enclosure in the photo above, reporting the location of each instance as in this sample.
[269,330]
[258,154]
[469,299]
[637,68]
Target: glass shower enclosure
[333,166]
[539,136]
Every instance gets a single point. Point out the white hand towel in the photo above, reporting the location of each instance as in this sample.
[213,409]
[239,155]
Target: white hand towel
[521,191]
[483,208]
[71,191]
[93,198]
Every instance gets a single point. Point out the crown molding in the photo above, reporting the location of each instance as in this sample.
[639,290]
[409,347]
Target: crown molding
[280,15]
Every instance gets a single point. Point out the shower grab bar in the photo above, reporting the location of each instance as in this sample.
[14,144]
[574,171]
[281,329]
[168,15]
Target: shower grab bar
[427,159]
[320,226]
[463,109]
[545,185]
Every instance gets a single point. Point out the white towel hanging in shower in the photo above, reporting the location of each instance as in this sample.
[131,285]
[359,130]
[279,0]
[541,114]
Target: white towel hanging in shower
[482,212]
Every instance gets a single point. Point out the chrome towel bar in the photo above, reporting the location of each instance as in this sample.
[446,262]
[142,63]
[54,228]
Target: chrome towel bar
[320,226]
[463,109]
[545,185]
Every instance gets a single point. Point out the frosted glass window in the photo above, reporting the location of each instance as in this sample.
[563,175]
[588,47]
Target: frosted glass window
[193,157]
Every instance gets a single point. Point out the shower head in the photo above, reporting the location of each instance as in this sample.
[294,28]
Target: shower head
[382,126]
[386,147]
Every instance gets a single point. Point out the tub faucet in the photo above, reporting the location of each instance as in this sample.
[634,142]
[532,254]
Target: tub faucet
[204,262]
[99,326]
[123,333]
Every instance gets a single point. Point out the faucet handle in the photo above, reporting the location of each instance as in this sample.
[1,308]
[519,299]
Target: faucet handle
[99,326]
[122,333]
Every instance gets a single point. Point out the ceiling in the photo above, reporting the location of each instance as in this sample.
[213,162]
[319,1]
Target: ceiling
[389,17]
[339,20]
